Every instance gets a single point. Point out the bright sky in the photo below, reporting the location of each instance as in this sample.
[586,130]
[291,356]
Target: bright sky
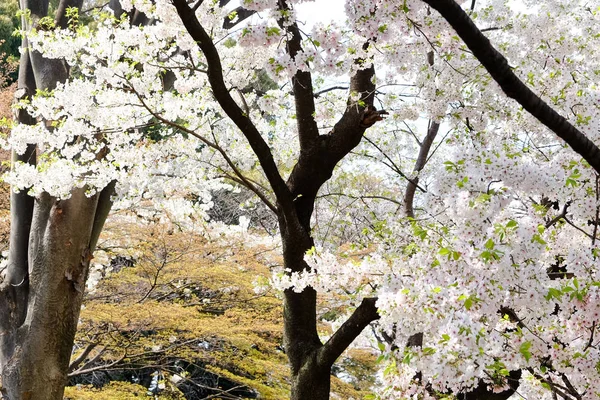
[312,12]
[321,11]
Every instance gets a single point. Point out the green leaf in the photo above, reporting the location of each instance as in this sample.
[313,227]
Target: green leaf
[429,351]
[444,251]
[524,350]
[273,31]
[553,294]
[468,303]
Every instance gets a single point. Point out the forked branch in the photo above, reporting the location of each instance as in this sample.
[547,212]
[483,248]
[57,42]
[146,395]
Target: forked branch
[233,111]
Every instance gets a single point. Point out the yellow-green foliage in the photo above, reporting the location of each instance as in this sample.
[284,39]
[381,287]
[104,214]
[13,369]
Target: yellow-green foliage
[189,300]
[117,391]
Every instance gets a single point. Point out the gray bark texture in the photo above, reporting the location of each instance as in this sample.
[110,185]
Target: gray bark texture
[51,245]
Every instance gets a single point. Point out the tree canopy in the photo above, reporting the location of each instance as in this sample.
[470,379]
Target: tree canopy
[432,166]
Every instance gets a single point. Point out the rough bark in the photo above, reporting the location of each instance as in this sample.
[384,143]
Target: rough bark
[36,353]
[51,246]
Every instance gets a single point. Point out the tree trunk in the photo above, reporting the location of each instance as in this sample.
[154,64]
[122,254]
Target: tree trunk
[51,245]
[312,381]
[35,354]
[310,360]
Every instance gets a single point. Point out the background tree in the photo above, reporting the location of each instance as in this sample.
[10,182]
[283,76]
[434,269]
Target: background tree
[51,244]
[9,24]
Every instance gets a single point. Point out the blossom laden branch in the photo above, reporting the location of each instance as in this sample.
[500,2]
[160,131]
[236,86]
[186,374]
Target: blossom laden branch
[241,178]
[497,65]
[233,111]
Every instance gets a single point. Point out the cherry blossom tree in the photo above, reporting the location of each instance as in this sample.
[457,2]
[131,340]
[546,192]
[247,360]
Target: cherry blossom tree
[51,243]
[463,225]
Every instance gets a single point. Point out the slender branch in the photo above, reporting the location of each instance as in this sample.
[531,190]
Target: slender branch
[555,387]
[591,340]
[76,362]
[96,7]
[84,370]
[409,129]
[425,147]
[422,158]
[578,228]
[212,145]
[228,104]
[497,65]
[560,216]
[392,165]
[319,93]
[596,220]
[360,197]
[572,391]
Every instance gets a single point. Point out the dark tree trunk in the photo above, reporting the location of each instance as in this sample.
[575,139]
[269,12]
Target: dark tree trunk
[310,360]
[312,381]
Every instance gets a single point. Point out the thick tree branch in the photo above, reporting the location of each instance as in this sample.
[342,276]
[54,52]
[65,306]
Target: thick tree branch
[102,210]
[228,104]
[308,132]
[38,8]
[348,131]
[483,392]
[345,335]
[241,14]
[497,65]
[316,166]
[14,291]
